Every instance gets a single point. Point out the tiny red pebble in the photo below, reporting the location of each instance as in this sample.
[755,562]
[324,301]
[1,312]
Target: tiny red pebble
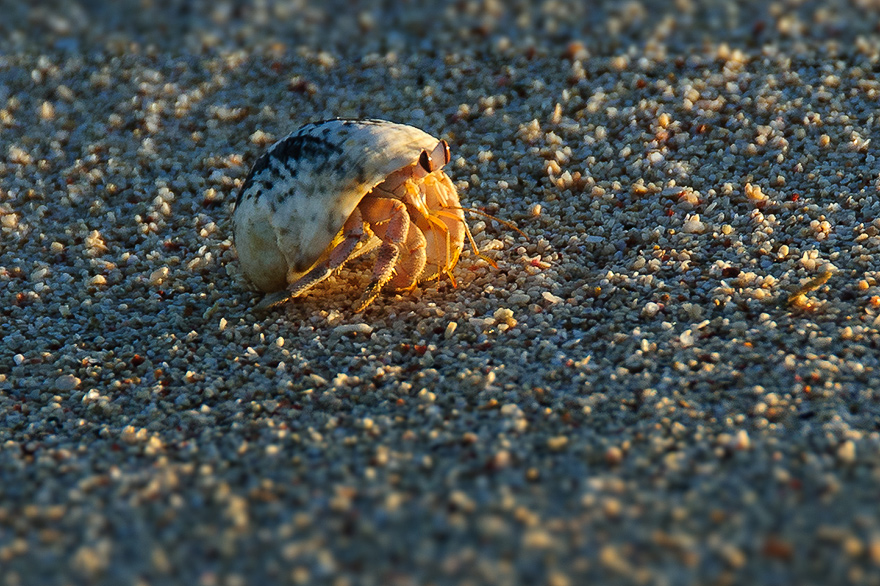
[775,547]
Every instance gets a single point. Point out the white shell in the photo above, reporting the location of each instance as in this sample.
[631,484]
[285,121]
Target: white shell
[300,192]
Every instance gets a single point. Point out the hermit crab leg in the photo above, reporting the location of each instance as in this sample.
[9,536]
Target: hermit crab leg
[354,235]
[443,223]
[467,231]
[412,261]
[389,220]
[506,223]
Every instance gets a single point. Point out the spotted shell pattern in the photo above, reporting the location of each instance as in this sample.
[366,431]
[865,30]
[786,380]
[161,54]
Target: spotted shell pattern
[300,192]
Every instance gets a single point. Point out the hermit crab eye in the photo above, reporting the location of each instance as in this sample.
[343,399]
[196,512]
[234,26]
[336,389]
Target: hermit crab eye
[446,154]
[425,162]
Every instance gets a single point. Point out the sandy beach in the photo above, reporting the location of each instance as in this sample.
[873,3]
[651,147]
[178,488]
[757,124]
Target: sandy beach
[671,379]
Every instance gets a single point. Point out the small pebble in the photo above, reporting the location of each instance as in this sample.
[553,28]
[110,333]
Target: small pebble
[846,452]
[551,298]
[158,276]
[67,382]
[360,328]
[650,309]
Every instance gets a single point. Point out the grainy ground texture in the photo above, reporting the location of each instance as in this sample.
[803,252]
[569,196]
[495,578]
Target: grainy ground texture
[674,380]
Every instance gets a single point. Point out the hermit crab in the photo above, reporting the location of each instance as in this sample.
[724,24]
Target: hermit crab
[334,190]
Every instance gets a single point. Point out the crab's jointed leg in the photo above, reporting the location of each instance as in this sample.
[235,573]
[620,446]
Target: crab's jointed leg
[436,214]
[389,220]
[412,260]
[353,234]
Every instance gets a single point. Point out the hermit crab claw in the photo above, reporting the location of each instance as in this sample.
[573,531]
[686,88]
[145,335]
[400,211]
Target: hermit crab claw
[335,190]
